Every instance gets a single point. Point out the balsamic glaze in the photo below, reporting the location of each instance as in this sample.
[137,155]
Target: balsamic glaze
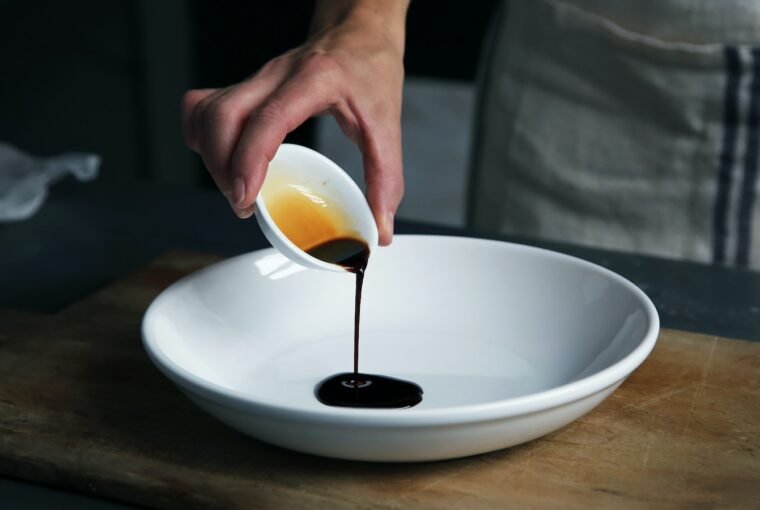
[373,390]
[357,389]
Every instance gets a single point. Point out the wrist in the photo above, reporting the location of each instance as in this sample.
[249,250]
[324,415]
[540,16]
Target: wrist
[363,18]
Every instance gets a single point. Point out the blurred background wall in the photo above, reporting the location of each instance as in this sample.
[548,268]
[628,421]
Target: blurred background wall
[106,77]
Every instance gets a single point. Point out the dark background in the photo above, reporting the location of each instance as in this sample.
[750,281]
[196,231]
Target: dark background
[106,77]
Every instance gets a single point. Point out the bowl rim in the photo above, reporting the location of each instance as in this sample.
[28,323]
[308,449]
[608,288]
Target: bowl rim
[447,416]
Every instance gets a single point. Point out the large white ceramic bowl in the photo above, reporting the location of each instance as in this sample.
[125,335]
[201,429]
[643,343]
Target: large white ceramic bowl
[507,341]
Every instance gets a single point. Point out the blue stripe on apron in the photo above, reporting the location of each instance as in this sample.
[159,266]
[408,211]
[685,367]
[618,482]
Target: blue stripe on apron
[747,199]
[730,124]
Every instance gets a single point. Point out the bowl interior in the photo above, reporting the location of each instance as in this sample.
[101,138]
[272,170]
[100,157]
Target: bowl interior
[470,321]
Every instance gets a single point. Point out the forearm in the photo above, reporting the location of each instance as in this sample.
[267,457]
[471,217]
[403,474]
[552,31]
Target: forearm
[387,17]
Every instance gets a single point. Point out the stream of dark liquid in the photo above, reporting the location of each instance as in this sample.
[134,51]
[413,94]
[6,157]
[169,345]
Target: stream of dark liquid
[357,389]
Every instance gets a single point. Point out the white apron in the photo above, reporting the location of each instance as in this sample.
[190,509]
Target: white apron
[625,125]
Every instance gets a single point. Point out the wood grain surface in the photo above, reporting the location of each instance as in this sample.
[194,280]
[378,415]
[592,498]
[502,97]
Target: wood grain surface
[81,407]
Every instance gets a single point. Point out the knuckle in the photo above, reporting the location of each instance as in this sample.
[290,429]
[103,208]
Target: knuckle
[219,110]
[271,112]
[387,180]
[397,185]
[321,65]
[273,64]
[268,68]
[201,106]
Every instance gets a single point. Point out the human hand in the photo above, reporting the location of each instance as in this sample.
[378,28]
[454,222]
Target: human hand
[351,67]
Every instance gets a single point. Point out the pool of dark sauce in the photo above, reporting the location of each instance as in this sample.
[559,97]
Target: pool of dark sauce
[356,389]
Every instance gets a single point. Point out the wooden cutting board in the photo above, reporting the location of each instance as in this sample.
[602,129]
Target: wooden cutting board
[81,407]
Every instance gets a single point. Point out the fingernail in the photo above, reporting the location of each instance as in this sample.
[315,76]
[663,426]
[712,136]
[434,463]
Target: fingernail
[238,192]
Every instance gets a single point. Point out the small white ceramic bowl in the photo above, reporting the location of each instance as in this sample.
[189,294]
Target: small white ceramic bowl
[311,170]
[507,341]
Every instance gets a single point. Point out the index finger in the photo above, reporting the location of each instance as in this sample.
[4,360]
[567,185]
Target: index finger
[291,105]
